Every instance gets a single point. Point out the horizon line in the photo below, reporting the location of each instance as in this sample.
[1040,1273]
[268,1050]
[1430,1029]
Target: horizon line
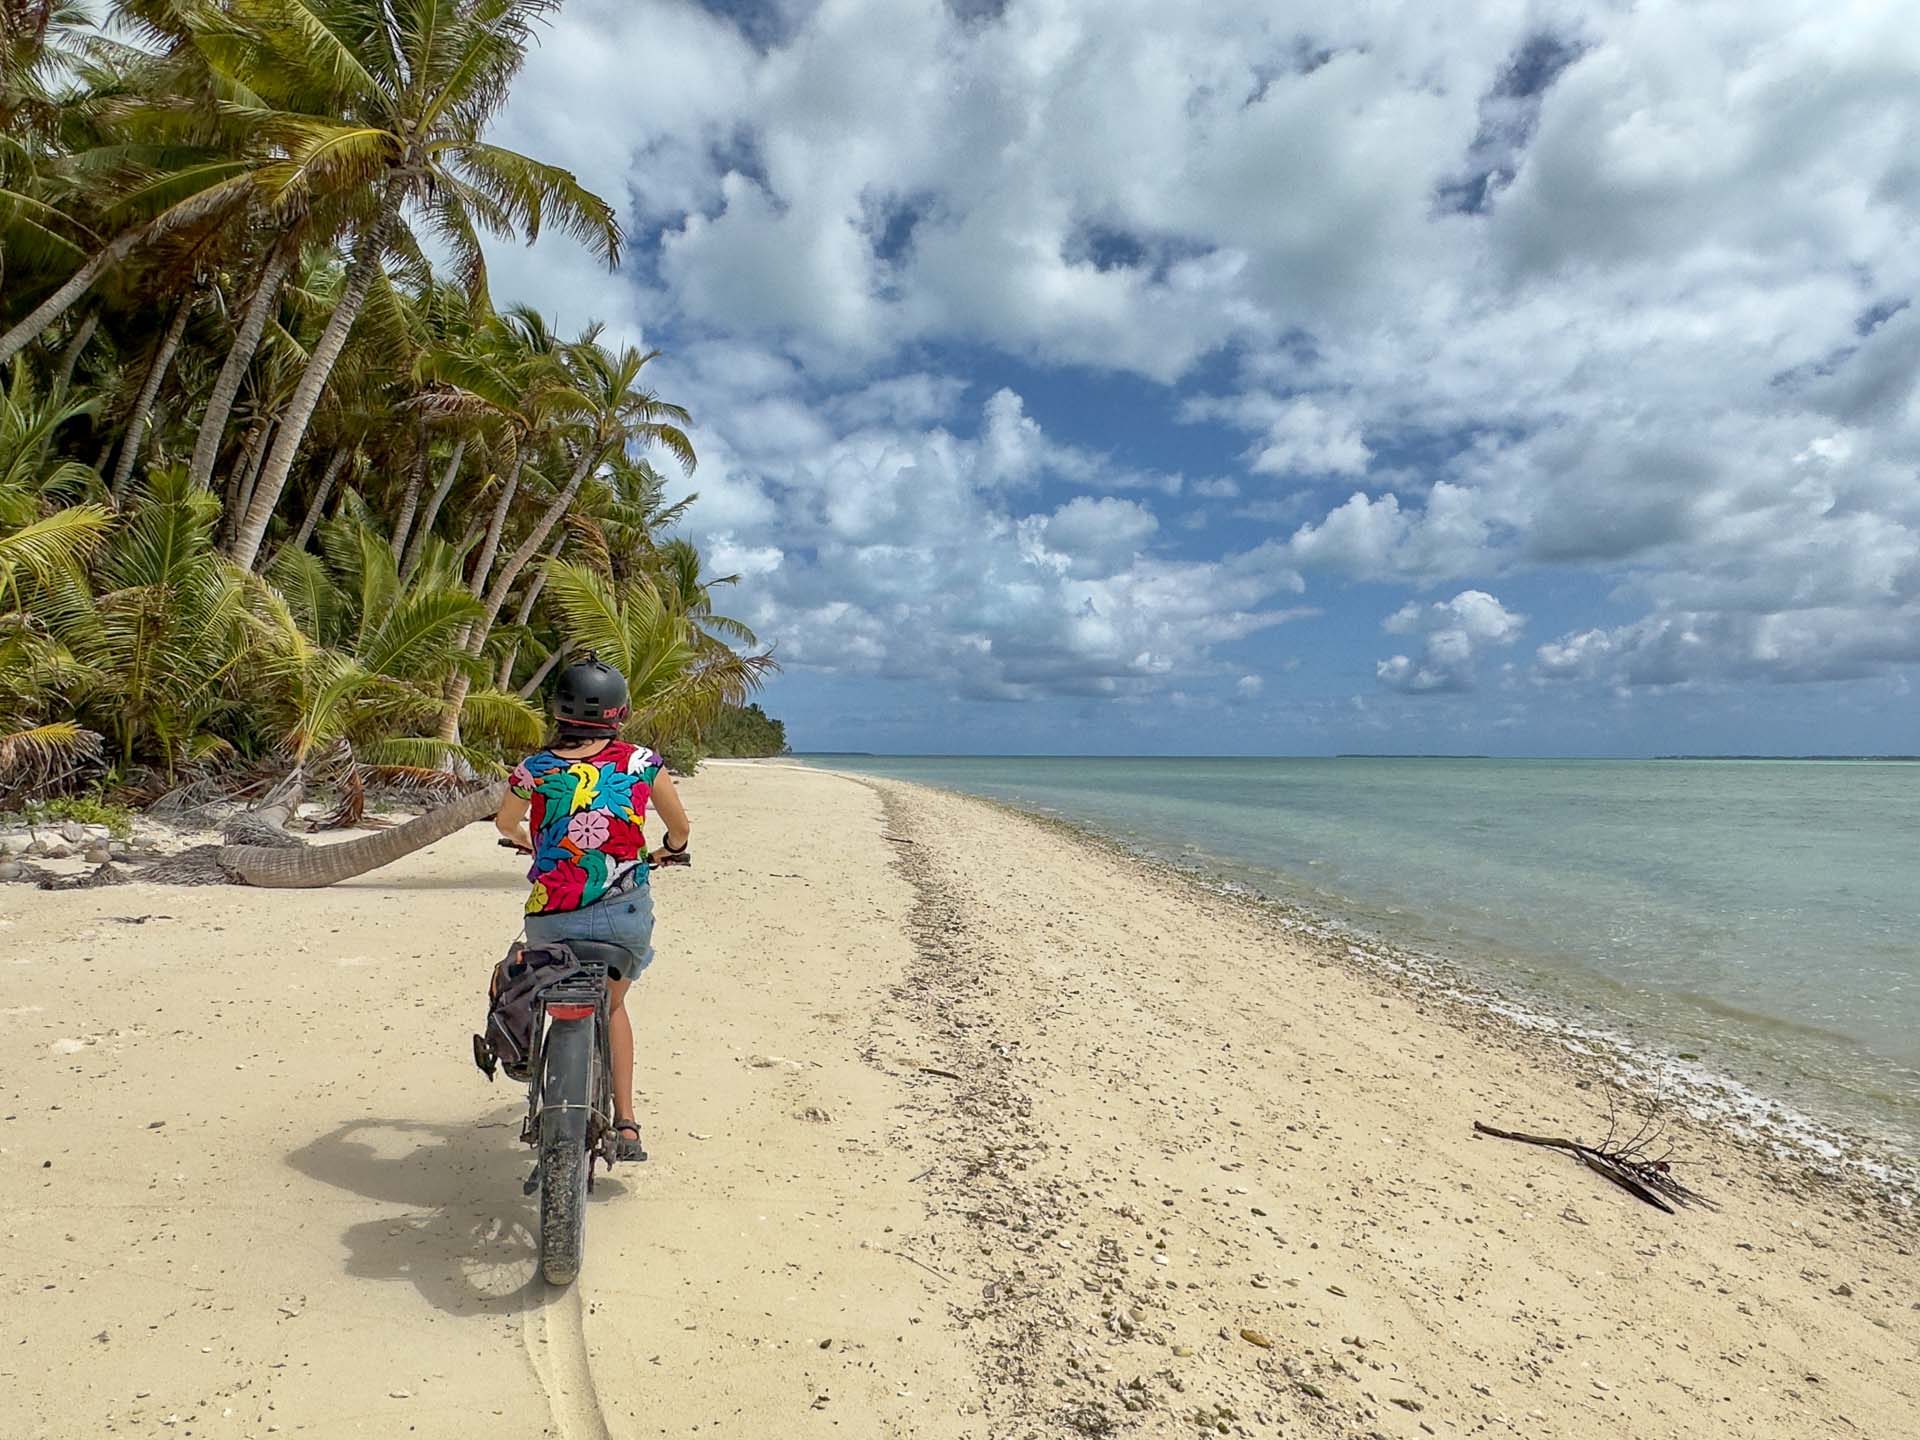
[1339,755]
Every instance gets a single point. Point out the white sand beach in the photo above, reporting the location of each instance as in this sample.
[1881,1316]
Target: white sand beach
[960,1126]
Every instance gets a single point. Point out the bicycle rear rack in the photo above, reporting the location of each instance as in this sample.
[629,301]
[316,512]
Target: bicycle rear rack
[583,985]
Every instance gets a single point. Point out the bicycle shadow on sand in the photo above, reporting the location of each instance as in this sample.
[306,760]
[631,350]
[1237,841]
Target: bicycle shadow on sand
[464,1234]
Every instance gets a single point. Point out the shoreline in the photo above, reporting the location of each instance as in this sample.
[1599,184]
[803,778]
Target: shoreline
[1256,1138]
[997,1133]
[1827,1151]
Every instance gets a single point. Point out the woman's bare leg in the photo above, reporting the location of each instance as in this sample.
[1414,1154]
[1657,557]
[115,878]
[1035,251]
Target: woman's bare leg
[622,1034]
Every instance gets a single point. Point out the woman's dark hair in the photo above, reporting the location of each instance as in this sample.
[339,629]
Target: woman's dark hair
[567,733]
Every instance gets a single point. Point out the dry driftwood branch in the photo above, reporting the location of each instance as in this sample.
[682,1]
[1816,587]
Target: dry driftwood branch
[1629,1166]
[266,824]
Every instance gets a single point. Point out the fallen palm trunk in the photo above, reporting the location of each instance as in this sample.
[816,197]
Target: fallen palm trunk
[1641,1178]
[308,867]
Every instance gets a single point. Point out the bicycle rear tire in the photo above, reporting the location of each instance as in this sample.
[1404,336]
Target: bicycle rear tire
[563,1152]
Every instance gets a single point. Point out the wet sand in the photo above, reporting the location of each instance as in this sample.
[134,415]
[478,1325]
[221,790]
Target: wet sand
[961,1126]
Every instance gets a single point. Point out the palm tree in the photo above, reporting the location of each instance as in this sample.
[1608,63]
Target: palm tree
[677,572]
[139,174]
[678,682]
[611,526]
[281,260]
[361,656]
[631,624]
[38,38]
[44,544]
[613,412]
[392,99]
[166,627]
[134,440]
[310,867]
[231,187]
[442,315]
[31,471]
[509,375]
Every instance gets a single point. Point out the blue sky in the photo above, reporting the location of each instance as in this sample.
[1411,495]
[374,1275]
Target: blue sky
[1258,378]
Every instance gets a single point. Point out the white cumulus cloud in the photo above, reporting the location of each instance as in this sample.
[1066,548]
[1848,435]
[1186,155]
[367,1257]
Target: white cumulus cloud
[1453,634]
[1621,291]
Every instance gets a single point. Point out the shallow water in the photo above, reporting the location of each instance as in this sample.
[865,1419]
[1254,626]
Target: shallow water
[1763,916]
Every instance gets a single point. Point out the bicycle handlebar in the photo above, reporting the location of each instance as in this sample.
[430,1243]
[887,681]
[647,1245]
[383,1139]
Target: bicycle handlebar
[655,858]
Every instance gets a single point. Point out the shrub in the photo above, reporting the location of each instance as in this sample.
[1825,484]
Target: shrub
[682,755]
[84,810]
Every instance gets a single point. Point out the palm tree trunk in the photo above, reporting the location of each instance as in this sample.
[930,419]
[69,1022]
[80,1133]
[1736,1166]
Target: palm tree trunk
[58,303]
[410,502]
[315,865]
[246,342]
[516,562]
[251,480]
[135,438]
[245,463]
[306,395]
[546,669]
[417,542]
[70,356]
[527,602]
[491,545]
[334,467]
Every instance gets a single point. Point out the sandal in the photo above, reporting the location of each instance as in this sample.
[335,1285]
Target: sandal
[623,1147]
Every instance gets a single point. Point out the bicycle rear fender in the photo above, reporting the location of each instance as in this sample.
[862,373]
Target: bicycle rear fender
[566,1080]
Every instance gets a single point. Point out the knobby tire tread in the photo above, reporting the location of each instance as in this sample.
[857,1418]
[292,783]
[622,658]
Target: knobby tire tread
[563,1153]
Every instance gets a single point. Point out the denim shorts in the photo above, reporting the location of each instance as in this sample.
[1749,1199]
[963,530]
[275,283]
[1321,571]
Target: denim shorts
[624,918]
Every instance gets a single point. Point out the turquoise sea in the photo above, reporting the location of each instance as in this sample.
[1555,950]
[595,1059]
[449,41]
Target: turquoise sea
[1759,918]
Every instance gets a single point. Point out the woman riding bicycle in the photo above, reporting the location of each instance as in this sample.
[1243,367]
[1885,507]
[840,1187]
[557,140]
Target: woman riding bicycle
[577,806]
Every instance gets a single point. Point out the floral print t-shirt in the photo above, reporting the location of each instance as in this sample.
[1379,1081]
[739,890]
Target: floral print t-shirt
[585,821]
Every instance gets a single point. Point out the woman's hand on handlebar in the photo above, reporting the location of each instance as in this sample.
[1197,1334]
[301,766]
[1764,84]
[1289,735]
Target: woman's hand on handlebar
[664,856]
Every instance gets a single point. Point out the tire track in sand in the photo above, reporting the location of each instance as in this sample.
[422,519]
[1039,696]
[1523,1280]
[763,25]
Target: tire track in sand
[554,1337]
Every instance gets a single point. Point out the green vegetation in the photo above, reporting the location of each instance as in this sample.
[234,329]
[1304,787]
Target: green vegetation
[83,809]
[683,757]
[746,731]
[273,491]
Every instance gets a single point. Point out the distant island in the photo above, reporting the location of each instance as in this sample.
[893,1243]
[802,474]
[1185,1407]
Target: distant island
[1877,758]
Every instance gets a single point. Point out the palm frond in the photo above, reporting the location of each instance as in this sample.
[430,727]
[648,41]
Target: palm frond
[419,753]
[419,637]
[313,600]
[54,542]
[30,757]
[532,193]
[502,719]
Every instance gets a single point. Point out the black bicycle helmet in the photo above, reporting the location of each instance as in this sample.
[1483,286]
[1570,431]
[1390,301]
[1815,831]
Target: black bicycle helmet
[590,694]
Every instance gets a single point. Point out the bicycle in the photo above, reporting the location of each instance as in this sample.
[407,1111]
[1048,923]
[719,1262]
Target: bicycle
[569,1075]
